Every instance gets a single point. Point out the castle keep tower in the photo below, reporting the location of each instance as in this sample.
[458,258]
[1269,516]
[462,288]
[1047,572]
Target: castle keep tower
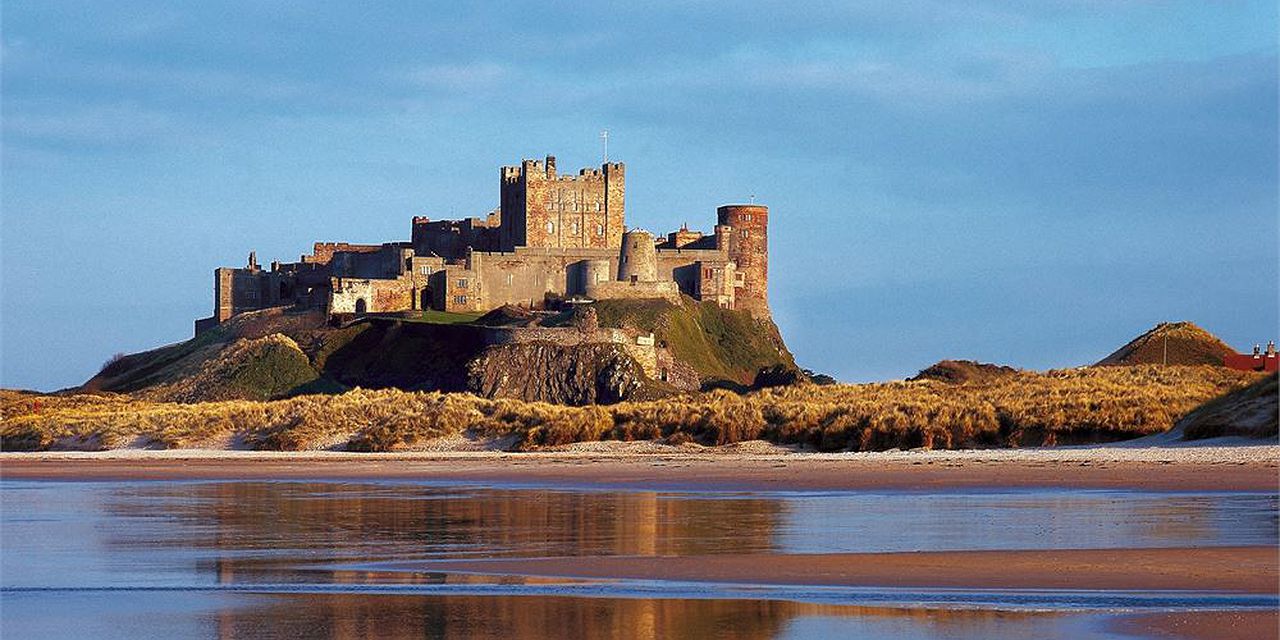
[749,248]
[543,209]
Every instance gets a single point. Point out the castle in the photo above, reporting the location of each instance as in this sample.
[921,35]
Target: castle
[554,238]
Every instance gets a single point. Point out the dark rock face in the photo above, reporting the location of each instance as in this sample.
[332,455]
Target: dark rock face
[545,372]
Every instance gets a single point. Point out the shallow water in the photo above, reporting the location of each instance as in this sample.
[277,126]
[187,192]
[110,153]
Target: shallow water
[291,559]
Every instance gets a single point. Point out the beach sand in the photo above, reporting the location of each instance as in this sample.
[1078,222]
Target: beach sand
[752,466]
[1203,625]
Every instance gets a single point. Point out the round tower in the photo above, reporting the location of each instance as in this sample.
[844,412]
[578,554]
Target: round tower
[749,248]
[594,272]
[638,261]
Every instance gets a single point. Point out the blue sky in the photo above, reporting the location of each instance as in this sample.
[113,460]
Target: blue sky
[1031,183]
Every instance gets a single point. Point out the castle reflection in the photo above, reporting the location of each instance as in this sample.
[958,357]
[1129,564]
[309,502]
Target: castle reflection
[264,531]
[309,559]
[351,617]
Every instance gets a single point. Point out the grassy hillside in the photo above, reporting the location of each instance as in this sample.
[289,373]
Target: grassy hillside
[1253,412]
[1023,409]
[722,345]
[1171,343]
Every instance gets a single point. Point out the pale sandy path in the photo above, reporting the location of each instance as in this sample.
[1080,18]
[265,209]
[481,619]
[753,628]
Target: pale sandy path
[643,465]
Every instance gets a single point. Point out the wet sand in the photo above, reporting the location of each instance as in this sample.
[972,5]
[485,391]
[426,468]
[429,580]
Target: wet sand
[1249,469]
[1204,625]
[1241,569]
[1236,569]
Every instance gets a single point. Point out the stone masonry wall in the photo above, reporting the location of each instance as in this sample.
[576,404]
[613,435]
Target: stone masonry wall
[749,248]
[543,209]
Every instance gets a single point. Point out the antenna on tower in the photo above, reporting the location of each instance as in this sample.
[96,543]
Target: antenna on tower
[604,143]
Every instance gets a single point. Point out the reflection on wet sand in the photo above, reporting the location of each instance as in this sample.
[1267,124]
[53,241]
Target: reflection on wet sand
[354,522]
[243,559]
[350,617]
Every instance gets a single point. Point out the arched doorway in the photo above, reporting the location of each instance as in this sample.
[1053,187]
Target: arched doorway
[427,299]
[361,306]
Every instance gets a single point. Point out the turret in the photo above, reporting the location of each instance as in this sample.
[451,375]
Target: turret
[638,261]
[749,249]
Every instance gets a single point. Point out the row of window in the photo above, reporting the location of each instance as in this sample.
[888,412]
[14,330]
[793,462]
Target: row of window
[573,229]
[573,206]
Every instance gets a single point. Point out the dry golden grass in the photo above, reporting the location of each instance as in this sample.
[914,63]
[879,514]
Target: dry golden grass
[1057,407]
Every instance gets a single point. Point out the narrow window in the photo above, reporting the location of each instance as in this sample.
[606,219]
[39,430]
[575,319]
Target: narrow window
[462,283]
[551,227]
[599,229]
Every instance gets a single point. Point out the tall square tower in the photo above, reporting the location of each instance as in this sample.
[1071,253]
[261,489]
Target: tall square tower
[543,209]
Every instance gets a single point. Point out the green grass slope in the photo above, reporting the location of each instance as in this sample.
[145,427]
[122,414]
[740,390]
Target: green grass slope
[725,347]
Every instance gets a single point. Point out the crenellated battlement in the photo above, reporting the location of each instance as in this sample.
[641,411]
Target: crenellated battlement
[531,169]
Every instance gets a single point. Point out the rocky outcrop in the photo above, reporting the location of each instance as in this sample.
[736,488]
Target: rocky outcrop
[546,372]
[610,351]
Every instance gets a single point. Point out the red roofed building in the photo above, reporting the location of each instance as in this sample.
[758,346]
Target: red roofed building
[1256,361]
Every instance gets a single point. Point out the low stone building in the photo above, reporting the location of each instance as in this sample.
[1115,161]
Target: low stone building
[553,237]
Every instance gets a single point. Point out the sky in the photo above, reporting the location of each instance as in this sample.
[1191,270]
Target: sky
[1031,183]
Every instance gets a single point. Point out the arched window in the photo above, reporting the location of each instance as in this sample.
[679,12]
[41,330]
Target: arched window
[361,306]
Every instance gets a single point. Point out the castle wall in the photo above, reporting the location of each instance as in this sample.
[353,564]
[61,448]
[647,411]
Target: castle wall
[322,252]
[378,295]
[239,290]
[389,261]
[618,290]
[688,269]
[450,239]
[525,276]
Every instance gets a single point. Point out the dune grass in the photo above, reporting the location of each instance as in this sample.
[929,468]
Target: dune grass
[1023,409]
